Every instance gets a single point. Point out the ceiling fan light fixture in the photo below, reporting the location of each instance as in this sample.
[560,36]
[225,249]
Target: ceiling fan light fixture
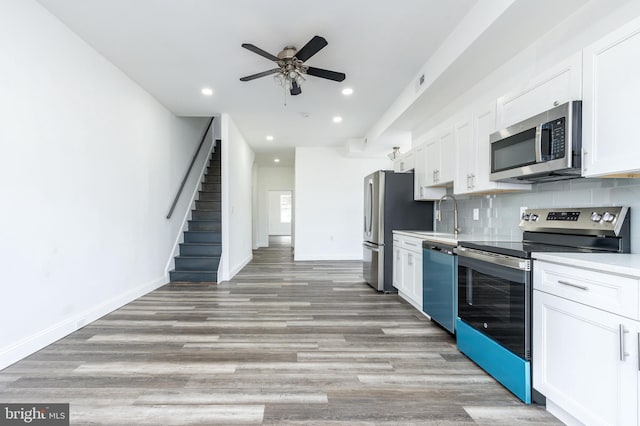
[291,68]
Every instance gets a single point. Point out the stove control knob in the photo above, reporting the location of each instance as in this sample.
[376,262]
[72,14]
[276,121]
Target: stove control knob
[525,216]
[533,217]
[608,217]
[595,216]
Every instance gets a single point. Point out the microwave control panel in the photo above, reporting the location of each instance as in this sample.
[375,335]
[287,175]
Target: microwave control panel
[553,143]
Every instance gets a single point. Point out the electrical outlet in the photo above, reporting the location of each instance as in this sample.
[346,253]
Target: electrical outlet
[476,214]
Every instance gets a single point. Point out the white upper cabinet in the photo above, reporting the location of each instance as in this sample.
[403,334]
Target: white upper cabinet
[422,190]
[611,106]
[440,158]
[405,162]
[471,135]
[555,86]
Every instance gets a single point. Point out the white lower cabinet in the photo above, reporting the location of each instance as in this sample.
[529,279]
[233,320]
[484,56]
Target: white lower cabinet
[407,269]
[585,359]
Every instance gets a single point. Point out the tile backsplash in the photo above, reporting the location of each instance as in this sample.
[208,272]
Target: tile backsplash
[499,214]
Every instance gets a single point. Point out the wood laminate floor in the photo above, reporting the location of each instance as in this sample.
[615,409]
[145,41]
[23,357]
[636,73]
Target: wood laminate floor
[282,343]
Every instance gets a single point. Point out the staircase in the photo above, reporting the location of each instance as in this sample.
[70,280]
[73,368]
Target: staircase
[200,252]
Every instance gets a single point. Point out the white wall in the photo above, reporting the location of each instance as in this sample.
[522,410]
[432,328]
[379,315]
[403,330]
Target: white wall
[269,179]
[89,166]
[237,179]
[276,225]
[329,203]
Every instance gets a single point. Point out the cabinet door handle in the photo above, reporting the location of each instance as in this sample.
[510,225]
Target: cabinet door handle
[581,287]
[623,353]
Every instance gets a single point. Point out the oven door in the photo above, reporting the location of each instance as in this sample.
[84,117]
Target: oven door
[494,297]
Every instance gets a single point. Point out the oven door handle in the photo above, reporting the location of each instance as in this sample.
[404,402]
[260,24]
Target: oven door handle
[494,258]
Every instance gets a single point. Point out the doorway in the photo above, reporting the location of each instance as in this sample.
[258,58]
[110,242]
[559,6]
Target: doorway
[280,218]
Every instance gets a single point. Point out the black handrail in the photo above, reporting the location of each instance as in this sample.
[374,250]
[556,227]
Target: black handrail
[186,176]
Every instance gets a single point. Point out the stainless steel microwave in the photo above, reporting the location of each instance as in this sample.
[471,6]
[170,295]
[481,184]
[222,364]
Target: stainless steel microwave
[543,148]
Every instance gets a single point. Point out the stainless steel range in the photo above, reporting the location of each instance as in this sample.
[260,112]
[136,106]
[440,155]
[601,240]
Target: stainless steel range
[494,284]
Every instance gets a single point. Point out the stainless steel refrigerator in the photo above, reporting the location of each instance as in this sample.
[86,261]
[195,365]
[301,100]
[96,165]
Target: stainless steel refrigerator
[389,206]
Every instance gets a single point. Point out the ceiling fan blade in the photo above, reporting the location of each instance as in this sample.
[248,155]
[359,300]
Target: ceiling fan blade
[312,47]
[260,74]
[295,89]
[256,49]
[330,75]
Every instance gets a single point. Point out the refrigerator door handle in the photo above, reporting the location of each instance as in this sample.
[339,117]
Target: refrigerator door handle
[370,205]
[372,247]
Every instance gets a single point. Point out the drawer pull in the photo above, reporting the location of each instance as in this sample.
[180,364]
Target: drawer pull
[581,287]
[623,353]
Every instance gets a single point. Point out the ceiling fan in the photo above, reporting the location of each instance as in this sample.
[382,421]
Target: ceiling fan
[291,68]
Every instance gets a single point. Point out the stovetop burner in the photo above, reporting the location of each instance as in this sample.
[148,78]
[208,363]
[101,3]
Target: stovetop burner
[574,230]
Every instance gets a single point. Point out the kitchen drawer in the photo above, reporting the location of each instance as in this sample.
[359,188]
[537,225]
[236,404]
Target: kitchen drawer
[411,244]
[610,292]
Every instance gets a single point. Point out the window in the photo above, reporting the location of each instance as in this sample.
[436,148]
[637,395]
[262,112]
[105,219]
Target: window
[285,208]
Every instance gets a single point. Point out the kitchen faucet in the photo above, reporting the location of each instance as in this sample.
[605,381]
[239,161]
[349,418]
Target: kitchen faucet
[456,228]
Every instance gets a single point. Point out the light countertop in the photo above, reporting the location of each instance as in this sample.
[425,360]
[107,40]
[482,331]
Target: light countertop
[622,264]
[448,238]
[437,237]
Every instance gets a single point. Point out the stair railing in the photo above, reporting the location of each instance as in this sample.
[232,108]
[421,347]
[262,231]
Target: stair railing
[186,175]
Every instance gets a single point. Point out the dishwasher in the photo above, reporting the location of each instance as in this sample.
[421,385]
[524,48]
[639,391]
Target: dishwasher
[440,284]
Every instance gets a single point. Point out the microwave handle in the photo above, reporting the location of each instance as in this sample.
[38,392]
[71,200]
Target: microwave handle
[538,143]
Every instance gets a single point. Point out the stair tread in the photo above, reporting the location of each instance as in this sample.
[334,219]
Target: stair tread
[197,272]
[200,256]
[202,244]
[211,232]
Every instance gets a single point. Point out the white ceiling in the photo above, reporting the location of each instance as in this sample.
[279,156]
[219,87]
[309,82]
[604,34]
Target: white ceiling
[173,48]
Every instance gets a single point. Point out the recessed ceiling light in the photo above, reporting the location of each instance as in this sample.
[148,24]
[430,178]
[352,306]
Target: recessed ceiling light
[207,91]
[337,119]
[269,138]
[347,91]
[276,160]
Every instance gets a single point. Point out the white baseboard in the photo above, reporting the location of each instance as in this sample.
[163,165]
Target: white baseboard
[33,343]
[234,270]
[327,256]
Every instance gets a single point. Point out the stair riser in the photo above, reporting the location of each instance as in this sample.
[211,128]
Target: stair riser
[205,225]
[211,187]
[209,196]
[208,205]
[197,264]
[212,179]
[205,215]
[193,276]
[200,250]
[202,237]
[214,164]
